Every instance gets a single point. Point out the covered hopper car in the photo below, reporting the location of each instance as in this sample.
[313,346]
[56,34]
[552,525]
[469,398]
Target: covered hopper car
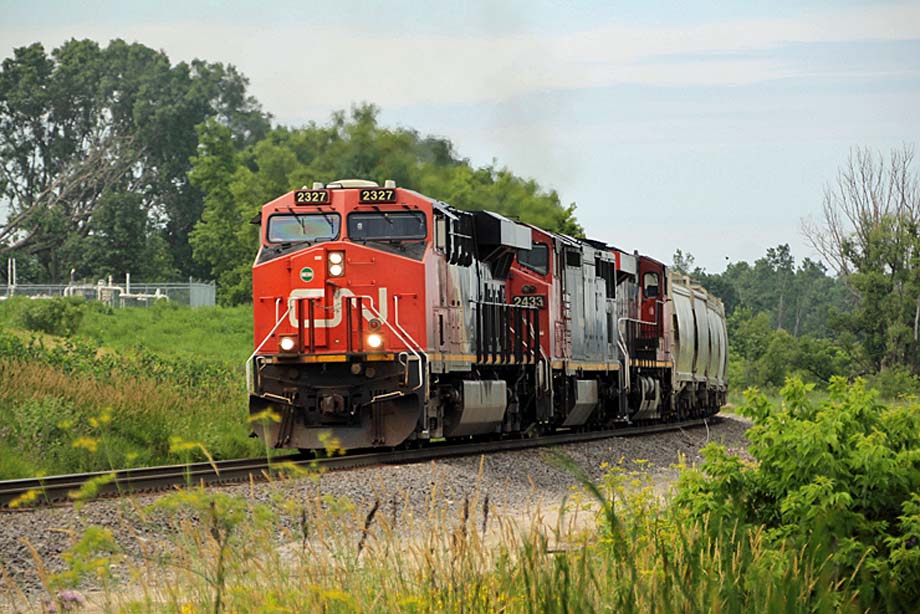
[383,317]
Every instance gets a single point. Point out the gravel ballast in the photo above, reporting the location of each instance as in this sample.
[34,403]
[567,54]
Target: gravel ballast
[513,482]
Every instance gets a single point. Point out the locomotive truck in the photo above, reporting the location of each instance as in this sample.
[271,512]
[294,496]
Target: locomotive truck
[383,317]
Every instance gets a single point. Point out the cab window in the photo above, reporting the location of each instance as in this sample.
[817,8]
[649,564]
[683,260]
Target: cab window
[536,259]
[300,227]
[650,285]
[572,258]
[386,226]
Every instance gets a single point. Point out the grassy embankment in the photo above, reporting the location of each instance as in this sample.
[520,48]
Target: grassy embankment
[825,519]
[126,388]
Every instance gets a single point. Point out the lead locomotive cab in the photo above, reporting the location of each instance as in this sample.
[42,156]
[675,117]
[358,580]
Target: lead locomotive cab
[338,295]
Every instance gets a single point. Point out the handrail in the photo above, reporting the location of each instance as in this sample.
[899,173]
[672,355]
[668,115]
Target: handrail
[249,373]
[403,337]
[408,336]
[543,356]
[401,334]
[623,348]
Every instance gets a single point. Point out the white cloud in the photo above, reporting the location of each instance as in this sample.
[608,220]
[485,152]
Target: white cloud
[293,69]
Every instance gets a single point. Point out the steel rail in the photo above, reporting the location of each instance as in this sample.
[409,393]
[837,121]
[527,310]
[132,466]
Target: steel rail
[57,488]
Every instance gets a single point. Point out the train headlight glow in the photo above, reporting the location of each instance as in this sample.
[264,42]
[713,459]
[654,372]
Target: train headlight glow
[336,263]
[374,341]
[287,344]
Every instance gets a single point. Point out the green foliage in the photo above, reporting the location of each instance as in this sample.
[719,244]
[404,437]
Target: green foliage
[223,240]
[870,233]
[236,184]
[162,372]
[763,356]
[72,405]
[836,479]
[803,299]
[93,555]
[95,144]
[784,320]
[317,552]
[216,543]
[886,278]
[895,382]
[206,335]
[57,316]
[123,238]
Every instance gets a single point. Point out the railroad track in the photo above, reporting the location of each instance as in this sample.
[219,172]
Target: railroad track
[54,489]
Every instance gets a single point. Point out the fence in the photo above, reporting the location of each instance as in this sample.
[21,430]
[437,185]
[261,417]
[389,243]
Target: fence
[128,294]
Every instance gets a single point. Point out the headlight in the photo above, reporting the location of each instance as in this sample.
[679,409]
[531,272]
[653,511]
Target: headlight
[336,263]
[287,344]
[374,341]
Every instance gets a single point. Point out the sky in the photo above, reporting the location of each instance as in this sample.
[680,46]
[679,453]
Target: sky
[710,127]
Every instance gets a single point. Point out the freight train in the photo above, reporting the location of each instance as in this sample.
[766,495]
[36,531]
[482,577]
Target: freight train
[383,318]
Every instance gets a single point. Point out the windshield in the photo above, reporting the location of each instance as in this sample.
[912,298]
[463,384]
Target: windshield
[298,227]
[385,226]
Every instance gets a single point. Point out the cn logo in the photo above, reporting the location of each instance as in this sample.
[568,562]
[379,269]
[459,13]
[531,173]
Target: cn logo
[320,309]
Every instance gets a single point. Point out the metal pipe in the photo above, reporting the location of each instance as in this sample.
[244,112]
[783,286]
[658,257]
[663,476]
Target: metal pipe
[312,321]
[348,334]
[506,334]
[11,276]
[360,324]
[479,331]
[535,331]
[493,333]
[299,304]
[518,334]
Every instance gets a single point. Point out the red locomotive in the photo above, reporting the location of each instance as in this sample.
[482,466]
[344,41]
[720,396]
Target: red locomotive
[383,316]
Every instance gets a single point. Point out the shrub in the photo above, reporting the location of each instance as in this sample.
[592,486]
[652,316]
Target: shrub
[895,382]
[57,316]
[838,479]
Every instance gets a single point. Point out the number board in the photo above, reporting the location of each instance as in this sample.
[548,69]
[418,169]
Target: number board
[311,197]
[378,195]
[530,300]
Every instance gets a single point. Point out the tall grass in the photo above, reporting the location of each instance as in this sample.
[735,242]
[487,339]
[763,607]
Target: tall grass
[218,334]
[319,554]
[208,334]
[60,397]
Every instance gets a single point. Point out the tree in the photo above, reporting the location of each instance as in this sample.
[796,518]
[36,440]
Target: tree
[121,240]
[683,263]
[222,239]
[236,183]
[870,234]
[86,125]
